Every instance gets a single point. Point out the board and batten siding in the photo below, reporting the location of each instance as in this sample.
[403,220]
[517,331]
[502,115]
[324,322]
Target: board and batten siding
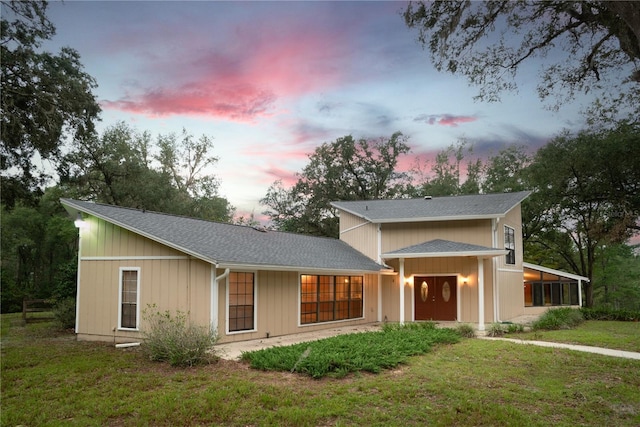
[360,234]
[402,235]
[168,278]
[461,267]
[510,277]
[278,309]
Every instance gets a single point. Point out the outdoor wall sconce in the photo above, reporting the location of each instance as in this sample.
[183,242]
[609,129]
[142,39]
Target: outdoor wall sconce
[79,222]
[465,280]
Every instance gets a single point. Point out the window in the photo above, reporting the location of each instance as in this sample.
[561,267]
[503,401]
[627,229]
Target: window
[129,294]
[538,294]
[329,298]
[510,244]
[241,302]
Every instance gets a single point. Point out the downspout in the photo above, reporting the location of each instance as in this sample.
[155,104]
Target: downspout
[77,326]
[401,286]
[379,237]
[494,266]
[214,295]
[480,294]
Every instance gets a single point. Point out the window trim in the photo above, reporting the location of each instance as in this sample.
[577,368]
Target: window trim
[333,283]
[255,303]
[120,302]
[510,231]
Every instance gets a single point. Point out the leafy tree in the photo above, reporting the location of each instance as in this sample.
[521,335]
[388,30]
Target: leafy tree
[39,245]
[505,171]
[585,195]
[617,278]
[346,169]
[585,46]
[447,173]
[111,168]
[44,97]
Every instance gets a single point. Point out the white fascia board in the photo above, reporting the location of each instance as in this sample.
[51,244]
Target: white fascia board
[436,218]
[482,254]
[237,266]
[556,272]
[136,231]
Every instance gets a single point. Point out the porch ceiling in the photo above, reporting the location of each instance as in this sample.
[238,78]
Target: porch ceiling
[444,248]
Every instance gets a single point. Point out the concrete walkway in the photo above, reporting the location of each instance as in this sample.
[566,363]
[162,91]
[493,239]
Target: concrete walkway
[233,351]
[585,348]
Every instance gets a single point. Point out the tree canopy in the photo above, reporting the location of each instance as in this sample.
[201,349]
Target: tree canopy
[44,96]
[109,169]
[584,46]
[346,169]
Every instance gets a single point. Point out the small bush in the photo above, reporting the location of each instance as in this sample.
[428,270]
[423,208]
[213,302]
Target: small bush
[514,328]
[64,312]
[174,339]
[558,318]
[465,330]
[495,330]
[603,313]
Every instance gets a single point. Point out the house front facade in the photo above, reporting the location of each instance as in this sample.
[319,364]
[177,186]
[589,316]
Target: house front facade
[444,259]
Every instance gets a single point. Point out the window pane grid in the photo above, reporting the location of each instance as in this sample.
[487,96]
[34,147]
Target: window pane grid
[537,294]
[329,298]
[129,299]
[241,301]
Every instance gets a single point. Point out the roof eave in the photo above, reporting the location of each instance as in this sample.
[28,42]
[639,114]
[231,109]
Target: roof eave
[66,203]
[553,271]
[482,254]
[265,267]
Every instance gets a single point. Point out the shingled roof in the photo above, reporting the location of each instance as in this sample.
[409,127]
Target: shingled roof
[442,248]
[477,206]
[228,245]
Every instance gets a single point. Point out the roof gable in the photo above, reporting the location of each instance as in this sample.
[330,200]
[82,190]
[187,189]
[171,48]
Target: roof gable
[443,248]
[477,206]
[231,245]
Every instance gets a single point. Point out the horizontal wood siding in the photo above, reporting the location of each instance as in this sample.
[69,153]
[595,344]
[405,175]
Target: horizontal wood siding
[402,235]
[363,238]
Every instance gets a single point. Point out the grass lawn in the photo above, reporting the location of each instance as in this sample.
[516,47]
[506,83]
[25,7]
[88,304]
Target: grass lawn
[53,380]
[597,333]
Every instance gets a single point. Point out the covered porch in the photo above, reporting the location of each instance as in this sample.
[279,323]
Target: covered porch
[445,281]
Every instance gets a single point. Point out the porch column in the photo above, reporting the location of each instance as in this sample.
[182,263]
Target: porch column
[480,294]
[401,283]
[580,292]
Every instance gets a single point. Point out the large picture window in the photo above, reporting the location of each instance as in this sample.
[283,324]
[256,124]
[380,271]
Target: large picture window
[510,244]
[129,291]
[537,294]
[329,298]
[241,301]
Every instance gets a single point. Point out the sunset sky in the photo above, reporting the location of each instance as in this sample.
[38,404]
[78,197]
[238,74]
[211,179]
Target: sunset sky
[271,81]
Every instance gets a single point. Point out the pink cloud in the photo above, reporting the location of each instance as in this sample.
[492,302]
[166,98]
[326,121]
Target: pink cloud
[444,119]
[239,80]
[287,177]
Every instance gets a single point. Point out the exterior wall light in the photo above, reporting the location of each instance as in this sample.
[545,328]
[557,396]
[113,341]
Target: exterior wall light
[79,222]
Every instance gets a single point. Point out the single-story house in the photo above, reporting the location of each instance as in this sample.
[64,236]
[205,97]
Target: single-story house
[443,258]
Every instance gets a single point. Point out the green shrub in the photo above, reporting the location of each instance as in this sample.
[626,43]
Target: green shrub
[174,339]
[513,328]
[465,330]
[604,313]
[558,318]
[64,312]
[495,330]
[343,354]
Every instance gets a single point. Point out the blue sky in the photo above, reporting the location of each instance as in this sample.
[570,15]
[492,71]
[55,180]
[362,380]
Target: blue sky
[271,81]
